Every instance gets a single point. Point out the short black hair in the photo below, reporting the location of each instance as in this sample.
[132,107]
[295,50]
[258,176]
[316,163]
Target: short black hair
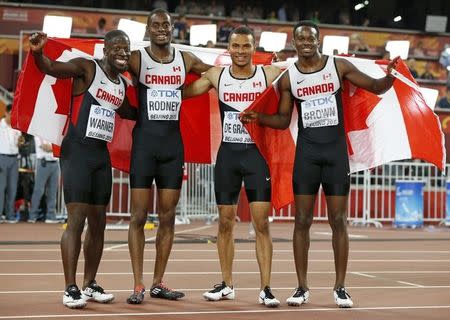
[158,11]
[306,23]
[242,30]
[110,35]
[8,107]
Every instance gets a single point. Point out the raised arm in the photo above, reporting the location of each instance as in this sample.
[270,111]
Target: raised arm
[202,85]
[378,86]
[194,64]
[73,68]
[282,118]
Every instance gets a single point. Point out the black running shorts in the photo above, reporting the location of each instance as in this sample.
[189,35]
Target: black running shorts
[156,158]
[321,163]
[236,164]
[86,172]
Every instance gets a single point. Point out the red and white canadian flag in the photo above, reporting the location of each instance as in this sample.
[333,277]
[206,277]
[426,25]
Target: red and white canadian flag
[393,126]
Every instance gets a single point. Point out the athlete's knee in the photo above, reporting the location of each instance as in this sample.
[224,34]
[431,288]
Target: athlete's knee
[338,222]
[138,218]
[303,221]
[166,220]
[75,226]
[261,226]
[226,223]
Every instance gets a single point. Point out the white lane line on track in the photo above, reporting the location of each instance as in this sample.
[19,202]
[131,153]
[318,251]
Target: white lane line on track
[237,260]
[237,250]
[153,238]
[193,273]
[215,311]
[411,284]
[241,289]
[364,274]
[350,235]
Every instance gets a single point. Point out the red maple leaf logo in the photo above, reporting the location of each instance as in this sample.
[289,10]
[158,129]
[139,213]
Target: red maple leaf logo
[358,104]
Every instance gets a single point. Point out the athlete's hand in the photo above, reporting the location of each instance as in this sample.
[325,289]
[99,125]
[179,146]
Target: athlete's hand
[37,42]
[392,65]
[248,116]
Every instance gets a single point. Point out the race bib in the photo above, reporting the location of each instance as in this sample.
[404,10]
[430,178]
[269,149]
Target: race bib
[233,130]
[100,123]
[163,104]
[320,112]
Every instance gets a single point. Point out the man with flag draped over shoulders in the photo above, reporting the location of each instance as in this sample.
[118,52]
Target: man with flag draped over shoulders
[321,158]
[98,92]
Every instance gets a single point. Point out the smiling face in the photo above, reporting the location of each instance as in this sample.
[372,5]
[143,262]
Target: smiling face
[159,28]
[306,41]
[117,53]
[241,48]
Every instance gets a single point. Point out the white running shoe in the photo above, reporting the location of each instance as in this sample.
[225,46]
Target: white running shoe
[342,298]
[94,292]
[267,298]
[298,298]
[220,292]
[72,298]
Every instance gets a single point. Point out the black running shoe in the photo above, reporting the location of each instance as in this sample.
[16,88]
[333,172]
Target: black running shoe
[299,297]
[72,298]
[342,298]
[163,292]
[267,298]
[94,292]
[137,297]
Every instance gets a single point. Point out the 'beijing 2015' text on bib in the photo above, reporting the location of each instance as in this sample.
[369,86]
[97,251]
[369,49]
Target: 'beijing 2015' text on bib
[101,123]
[320,112]
[233,131]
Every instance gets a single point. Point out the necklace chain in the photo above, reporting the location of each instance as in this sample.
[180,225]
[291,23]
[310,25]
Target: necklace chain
[242,81]
[161,60]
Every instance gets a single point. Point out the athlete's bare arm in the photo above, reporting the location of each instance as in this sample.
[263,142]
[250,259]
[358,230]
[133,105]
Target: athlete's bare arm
[194,64]
[81,69]
[210,79]
[378,86]
[133,64]
[272,72]
[282,118]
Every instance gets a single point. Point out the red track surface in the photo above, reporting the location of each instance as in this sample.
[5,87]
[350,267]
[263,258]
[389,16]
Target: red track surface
[392,274]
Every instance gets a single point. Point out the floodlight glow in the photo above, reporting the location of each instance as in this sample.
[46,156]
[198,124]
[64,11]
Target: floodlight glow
[331,43]
[135,30]
[57,26]
[366,2]
[273,41]
[398,18]
[200,34]
[430,96]
[359,6]
[398,48]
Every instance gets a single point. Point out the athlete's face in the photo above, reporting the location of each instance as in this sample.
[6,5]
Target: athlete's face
[241,48]
[306,41]
[159,29]
[117,52]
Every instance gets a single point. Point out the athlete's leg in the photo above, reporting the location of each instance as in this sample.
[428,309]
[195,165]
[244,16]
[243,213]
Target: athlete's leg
[225,241]
[140,198]
[168,200]
[337,217]
[93,242]
[71,240]
[304,210]
[260,212]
